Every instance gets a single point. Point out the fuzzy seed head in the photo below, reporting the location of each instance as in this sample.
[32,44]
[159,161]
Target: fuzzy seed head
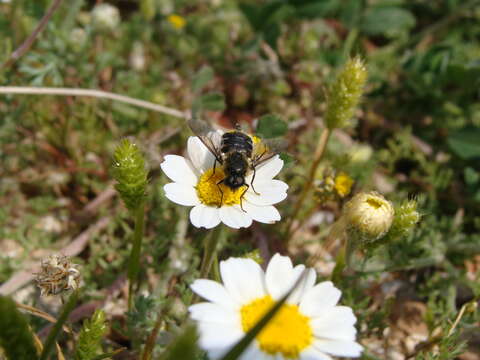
[368,216]
[57,275]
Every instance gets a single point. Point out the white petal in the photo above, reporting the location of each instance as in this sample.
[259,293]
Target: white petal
[278,275]
[235,217]
[253,353]
[322,297]
[311,353]
[335,324]
[269,169]
[214,313]
[304,286]
[218,336]
[202,159]
[214,292]
[263,214]
[205,216]
[179,170]
[339,347]
[181,194]
[243,279]
[270,192]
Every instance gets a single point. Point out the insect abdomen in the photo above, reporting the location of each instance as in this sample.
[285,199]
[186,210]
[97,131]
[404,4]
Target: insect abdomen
[237,141]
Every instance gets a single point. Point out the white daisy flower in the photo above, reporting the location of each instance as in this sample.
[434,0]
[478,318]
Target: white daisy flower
[309,326]
[195,184]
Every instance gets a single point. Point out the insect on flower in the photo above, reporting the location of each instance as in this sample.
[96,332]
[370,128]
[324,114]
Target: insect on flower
[238,154]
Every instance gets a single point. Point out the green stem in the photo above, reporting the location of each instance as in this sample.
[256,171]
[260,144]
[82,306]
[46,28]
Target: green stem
[210,251]
[67,309]
[340,264]
[349,251]
[134,262]
[319,152]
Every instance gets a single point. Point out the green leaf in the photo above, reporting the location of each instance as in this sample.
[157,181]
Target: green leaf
[16,338]
[201,78]
[288,160]
[271,126]
[183,347]
[388,21]
[465,143]
[471,176]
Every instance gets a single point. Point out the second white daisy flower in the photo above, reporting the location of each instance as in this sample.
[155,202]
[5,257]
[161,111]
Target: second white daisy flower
[195,184]
[309,326]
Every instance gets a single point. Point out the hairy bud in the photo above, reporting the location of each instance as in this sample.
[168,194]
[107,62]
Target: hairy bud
[345,93]
[130,173]
[368,217]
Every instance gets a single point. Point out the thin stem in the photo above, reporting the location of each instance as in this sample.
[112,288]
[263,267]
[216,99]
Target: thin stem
[210,252]
[26,90]
[134,262]
[319,152]
[67,309]
[33,36]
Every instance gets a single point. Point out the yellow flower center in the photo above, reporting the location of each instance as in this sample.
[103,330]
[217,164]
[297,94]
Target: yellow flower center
[210,193]
[288,333]
[343,184]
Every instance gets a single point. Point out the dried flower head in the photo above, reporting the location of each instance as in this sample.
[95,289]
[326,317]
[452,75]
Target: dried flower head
[57,274]
[368,217]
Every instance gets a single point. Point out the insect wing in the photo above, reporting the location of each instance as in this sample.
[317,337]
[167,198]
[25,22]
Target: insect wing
[206,133]
[264,150]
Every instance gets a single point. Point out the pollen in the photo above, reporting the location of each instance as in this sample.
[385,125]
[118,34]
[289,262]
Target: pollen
[209,190]
[287,334]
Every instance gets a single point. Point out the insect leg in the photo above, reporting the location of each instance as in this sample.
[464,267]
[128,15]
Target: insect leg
[214,166]
[241,197]
[221,192]
[251,182]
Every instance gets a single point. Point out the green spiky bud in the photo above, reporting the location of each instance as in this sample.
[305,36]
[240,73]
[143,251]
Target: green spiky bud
[406,217]
[90,336]
[345,93]
[130,173]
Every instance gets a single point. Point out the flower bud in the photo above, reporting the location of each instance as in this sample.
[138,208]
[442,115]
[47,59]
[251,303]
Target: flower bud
[368,217]
[131,175]
[345,93]
[57,275]
[105,17]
